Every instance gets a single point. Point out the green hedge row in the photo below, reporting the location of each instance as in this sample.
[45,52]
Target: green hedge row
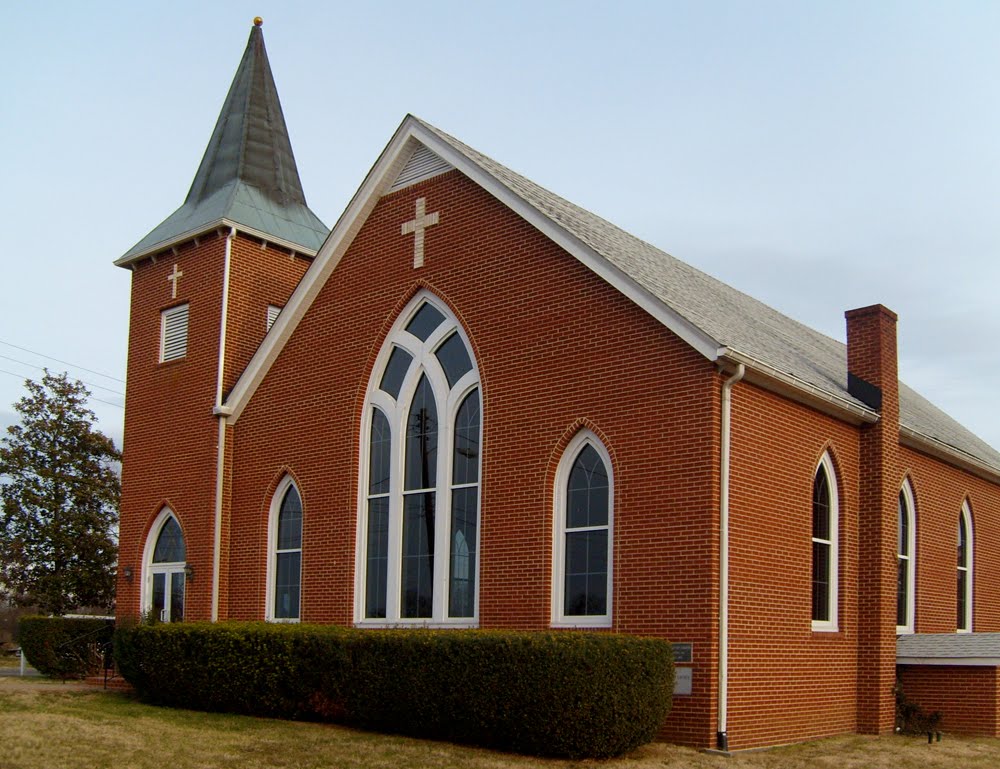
[64,647]
[556,694]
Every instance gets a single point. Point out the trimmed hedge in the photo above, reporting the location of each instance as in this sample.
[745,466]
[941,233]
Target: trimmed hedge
[555,694]
[63,647]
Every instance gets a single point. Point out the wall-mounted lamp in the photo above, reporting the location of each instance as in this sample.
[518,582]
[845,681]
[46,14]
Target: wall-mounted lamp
[189,571]
[127,571]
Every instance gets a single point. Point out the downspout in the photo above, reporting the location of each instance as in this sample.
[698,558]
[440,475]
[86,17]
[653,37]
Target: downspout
[722,738]
[220,458]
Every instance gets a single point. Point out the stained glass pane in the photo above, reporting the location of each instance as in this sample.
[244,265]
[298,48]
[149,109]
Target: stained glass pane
[904,526]
[176,596]
[464,524]
[287,585]
[586,573]
[454,358]
[902,576]
[587,494]
[395,371]
[170,544]
[377,557]
[418,555]
[961,623]
[424,322]
[159,596]
[961,542]
[466,462]
[290,521]
[821,582]
[422,439]
[821,505]
[379,455]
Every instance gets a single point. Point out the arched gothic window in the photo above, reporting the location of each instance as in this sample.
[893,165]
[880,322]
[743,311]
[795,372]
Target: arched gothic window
[165,569]
[419,494]
[285,554]
[964,584]
[825,525]
[906,564]
[583,534]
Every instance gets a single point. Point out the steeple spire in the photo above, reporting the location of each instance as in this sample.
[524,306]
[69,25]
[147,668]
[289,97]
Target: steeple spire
[248,175]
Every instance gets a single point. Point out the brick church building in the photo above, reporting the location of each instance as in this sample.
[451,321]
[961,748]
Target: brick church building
[474,404]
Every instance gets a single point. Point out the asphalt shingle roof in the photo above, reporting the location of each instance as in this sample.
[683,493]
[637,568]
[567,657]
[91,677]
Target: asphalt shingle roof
[948,645]
[730,317]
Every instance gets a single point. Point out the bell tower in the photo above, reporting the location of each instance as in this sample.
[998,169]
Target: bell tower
[207,282]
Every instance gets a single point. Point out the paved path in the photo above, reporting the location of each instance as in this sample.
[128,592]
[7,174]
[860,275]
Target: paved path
[16,672]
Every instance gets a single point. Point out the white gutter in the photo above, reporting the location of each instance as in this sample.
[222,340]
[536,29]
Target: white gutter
[727,387]
[220,458]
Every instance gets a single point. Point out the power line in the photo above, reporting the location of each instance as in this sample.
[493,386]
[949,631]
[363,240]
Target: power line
[42,368]
[99,400]
[65,363]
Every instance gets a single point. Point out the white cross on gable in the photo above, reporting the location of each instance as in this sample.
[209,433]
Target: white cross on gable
[417,226]
[174,277]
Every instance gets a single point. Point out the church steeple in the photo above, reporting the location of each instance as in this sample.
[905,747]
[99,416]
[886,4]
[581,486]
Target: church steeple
[248,175]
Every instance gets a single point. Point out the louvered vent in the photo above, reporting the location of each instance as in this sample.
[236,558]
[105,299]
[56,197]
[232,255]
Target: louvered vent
[173,333]
[272,315]
[423,164]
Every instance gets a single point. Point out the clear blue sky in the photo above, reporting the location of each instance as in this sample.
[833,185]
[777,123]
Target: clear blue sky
[818,156]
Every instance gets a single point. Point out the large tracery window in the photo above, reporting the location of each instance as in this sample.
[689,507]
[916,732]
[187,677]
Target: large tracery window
[419,511]
[583,518]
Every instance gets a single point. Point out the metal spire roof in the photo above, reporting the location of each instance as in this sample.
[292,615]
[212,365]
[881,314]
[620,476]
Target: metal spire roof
[248,175]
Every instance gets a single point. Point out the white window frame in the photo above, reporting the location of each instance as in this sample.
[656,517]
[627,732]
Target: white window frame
[272,551]
[165,317]
[447,400]
[830,625]
[168,568]
[911,558]
[970,559]
[570,453]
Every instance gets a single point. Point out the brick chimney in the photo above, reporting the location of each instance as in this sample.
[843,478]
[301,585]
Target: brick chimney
[872,377]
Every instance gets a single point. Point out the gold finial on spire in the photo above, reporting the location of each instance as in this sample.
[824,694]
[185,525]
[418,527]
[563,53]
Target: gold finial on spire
[257,21]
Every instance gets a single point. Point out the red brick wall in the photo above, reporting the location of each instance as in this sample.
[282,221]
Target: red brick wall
[965,696]
[787,682]
[170,432]
[939,491]
[556,348]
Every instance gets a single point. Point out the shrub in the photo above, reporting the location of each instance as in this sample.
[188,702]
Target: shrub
[64,647]
[558,694]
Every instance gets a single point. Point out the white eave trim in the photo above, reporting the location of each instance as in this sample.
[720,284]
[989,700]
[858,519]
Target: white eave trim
[376,184]
[789,386]
[984,662]
[223,223]
[946,453]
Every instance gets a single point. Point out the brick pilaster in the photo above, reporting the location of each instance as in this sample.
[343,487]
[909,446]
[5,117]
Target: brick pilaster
[873,378]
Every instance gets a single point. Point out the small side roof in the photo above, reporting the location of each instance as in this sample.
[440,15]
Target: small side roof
[714,318]
[247,177]
[948,649]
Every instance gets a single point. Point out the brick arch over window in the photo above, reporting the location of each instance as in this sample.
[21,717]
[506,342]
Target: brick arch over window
[418,497]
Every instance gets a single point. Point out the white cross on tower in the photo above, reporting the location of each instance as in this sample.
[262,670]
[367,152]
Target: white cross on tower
[174,277]
[417,227]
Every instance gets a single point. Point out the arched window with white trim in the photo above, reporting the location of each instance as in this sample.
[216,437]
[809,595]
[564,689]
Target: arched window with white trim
[418,521]
[965,560]
[165,569]
[583,534]
[825,546]
[284,570]
[906,563]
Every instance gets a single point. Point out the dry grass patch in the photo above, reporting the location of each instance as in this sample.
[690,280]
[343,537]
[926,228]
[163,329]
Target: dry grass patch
[47,724]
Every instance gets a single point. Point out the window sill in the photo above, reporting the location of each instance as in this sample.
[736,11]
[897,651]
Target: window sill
[825,628]
[409,624]
[581,624]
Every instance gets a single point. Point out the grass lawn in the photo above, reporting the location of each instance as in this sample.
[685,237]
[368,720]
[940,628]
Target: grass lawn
[49,725]
[9,661]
